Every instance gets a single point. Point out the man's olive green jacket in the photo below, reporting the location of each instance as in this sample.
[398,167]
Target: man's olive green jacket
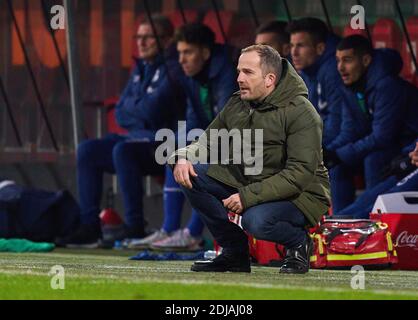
[292,167]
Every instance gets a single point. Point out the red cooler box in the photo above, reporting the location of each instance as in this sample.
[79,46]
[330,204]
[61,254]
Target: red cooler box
[400,212]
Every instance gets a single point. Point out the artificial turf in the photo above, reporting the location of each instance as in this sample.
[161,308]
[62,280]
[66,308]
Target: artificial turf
[109,274]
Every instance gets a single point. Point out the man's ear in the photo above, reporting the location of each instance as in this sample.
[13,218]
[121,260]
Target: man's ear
[270,80]
[206,53]
[366,59]
[320,48]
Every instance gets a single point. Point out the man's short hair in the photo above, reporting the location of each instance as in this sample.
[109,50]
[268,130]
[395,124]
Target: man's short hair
[316,28]
[162,24]
[278,28]
[270,60]
[358,43]
[197,34]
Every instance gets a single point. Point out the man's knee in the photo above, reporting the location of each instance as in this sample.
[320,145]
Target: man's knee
[256,226]
[86,150]
[201,169]
[121,153]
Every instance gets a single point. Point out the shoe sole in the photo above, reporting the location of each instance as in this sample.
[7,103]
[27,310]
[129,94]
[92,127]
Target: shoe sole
[285,271]
[196,268]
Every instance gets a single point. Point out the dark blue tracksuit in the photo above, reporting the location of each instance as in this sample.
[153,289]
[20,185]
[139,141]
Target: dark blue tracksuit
[373,126]
[362,207]
[324,86]
[150,101]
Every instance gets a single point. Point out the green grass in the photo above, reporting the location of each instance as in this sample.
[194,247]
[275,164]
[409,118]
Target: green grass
[108,274]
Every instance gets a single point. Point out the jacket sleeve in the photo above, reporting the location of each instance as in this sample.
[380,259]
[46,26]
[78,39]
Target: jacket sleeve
[348,131]
[192,151]
[333,94]
[154,106]
[410,147]
[127,98]
[304,153]
[387,119]
[228,85]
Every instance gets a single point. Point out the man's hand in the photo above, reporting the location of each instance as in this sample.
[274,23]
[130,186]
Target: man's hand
[233,203]
[182,172]
[414,155]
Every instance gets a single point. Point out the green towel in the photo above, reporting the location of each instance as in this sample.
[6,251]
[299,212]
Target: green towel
[23,245]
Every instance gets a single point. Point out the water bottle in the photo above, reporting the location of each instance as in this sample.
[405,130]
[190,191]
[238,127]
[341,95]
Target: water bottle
[118,245]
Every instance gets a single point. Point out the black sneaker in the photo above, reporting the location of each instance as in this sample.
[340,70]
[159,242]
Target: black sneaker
[86,236]
[297,259]
[226,261]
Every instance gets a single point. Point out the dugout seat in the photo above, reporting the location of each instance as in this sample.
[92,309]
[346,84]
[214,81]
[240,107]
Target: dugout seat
[211,21]
[348,31]
[386,34]
[176,17]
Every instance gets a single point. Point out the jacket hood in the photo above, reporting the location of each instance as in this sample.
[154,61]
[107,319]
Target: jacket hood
[385,62]
[290,85]
[218,59]
[328,55]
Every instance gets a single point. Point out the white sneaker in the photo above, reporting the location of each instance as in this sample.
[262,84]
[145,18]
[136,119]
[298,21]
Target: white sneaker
[181,240]
[145,243]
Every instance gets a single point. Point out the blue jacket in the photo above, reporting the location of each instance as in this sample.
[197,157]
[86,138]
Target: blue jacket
[324,87]
[409,147]
[222,84]
[152,98]
[388,99]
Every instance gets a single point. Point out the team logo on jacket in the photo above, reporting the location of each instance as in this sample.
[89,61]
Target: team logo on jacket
[156,76]
[321,104]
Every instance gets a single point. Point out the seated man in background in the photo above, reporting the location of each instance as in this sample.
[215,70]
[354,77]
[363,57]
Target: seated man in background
[210,81]
[274,34]
[402,176]
[149,102]
[313,56]
[379,117]
[281,190]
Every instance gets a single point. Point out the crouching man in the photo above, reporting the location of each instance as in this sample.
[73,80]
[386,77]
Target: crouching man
[277,200]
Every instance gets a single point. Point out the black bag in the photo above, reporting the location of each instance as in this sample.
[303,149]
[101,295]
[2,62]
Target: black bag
[37,215]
